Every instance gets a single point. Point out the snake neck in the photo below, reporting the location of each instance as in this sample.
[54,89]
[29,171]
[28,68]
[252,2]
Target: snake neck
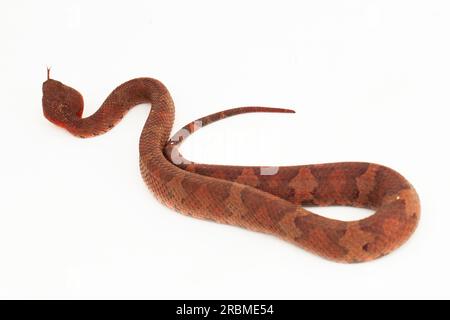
[159,123]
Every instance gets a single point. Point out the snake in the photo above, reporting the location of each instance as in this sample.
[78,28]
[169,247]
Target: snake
[267,199]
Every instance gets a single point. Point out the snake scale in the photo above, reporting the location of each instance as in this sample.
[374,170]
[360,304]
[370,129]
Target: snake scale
[265,199]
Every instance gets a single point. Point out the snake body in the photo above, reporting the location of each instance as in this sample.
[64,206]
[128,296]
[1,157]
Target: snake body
[266,199]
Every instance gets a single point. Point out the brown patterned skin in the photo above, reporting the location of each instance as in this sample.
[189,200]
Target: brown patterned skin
[263,199]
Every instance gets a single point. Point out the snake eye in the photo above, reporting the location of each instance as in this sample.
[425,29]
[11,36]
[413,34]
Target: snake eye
[64,109]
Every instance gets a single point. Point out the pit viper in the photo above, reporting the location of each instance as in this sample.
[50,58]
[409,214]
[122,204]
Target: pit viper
[271,200]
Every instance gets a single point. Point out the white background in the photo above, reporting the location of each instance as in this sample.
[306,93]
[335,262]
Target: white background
[369,80]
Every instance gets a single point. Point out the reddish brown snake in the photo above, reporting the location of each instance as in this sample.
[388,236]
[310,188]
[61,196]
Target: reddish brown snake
[269,200]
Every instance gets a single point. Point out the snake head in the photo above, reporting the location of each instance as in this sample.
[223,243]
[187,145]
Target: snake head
[61,104]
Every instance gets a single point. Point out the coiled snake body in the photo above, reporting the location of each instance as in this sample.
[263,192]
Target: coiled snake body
[269,200]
